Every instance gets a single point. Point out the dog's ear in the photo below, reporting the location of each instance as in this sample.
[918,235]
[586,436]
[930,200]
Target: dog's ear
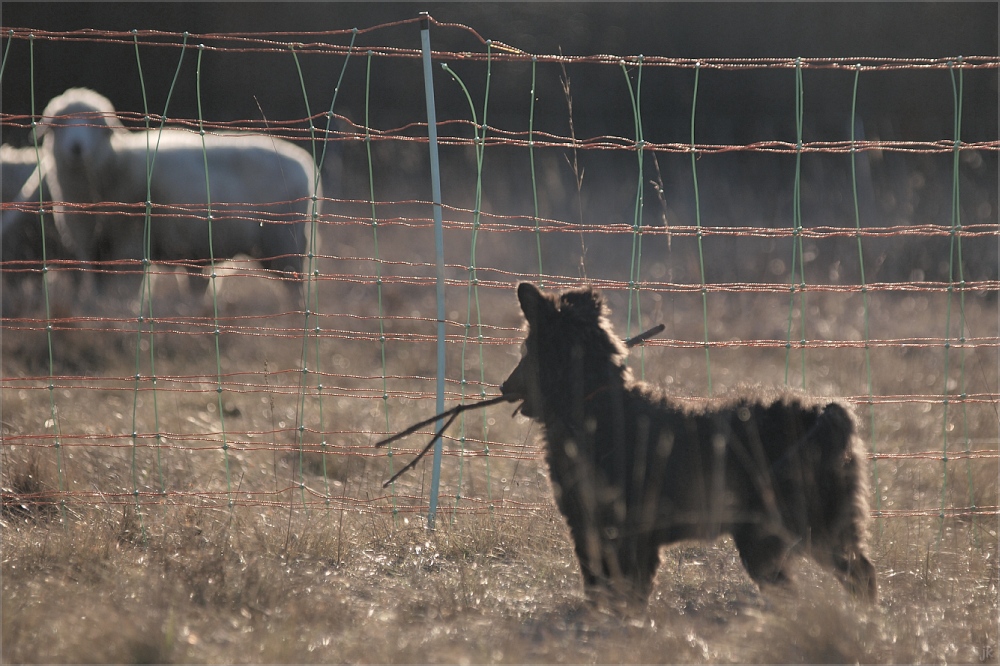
[532,300]
[586,304]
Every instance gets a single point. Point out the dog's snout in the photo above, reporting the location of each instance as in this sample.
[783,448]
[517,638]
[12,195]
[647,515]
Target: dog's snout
[513,386]
[508,390]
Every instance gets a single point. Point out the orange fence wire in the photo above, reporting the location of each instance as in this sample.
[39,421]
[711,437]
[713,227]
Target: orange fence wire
[398,214]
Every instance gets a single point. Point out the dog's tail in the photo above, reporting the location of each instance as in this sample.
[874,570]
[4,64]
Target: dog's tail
[840,455]
[835,430]
[842,465]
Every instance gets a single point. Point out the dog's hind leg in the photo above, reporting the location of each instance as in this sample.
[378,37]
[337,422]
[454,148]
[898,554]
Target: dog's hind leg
[638,560]
[857,573]
[590,553]
[763,554]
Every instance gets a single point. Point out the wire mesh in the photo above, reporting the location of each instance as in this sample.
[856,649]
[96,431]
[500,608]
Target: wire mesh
[256,401]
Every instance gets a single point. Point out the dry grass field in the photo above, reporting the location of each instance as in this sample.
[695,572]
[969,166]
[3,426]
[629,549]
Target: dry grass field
[232,511]
[314,562]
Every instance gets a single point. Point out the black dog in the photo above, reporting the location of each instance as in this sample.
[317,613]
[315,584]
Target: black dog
[632,469]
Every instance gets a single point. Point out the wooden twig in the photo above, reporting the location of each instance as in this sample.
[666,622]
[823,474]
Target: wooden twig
[642,337]
[453,413]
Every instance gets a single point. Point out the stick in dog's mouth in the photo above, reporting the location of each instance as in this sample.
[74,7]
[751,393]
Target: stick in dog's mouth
[642,337]
[453,413]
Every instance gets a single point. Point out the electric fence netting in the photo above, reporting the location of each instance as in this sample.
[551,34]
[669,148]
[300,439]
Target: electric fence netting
[807,241]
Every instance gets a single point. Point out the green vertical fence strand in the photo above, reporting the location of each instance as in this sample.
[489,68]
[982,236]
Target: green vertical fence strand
[312,270]
[310,299]
[6,52]
[957,235]
[797,254]
[145,317]
[531,157]
[954,267]
[697,220]
[215,292]
[473,288]
[475,284]
[635,96]
[865,301]
[144,291]
[336,91]
[378,268]
[147,234]
[53,412]
[435,164]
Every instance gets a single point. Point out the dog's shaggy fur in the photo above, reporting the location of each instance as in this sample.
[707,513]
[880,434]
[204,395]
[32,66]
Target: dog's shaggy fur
[632,469]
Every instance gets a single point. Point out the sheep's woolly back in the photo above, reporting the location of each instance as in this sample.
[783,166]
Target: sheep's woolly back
[82,101]
[12,155]
[18,165]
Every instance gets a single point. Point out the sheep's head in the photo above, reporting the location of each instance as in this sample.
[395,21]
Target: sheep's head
[77,126]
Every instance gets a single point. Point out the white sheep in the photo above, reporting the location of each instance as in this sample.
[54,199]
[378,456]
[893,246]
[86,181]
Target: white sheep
[21,241]
[16,165]
[21,182]
[261,189]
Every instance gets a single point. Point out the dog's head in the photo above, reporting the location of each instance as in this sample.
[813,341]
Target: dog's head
[570,351]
